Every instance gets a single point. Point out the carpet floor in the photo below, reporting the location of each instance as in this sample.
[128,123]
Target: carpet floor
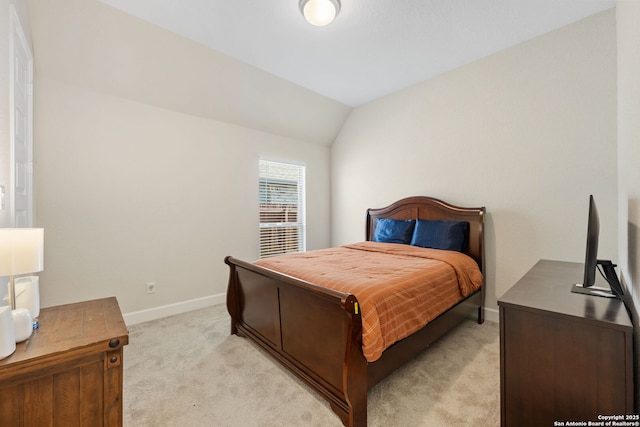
[186,370]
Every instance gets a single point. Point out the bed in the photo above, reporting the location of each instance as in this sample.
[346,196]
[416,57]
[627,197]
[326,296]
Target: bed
[316,332]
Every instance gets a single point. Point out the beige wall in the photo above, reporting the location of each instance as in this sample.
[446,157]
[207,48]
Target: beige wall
[628,20]
[628,16]
[529,133]
[130,193]
[147,170]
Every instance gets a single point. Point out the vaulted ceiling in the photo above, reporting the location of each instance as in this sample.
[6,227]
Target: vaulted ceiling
[373,48]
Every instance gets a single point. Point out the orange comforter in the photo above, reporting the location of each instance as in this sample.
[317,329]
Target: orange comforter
[400,288]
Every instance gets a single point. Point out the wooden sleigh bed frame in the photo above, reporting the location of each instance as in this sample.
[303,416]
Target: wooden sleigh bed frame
[316,332]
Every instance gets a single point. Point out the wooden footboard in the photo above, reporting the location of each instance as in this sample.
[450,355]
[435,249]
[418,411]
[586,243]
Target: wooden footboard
[314,332]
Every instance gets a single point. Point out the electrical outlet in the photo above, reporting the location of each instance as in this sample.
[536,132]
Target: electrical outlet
[151,287]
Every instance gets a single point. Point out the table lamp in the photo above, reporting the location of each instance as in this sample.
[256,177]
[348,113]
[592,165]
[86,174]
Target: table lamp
[21,252]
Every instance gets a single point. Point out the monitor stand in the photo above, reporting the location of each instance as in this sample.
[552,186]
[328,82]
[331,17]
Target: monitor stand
[596,291]
[615,290]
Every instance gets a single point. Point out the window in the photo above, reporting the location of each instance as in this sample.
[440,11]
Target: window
[282,225]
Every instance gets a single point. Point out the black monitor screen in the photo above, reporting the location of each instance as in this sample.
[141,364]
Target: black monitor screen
[591,257]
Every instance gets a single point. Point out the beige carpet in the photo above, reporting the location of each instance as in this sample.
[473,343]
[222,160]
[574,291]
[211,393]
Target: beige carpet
[187,370]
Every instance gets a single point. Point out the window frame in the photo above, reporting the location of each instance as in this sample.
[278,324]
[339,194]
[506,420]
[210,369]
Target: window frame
[286,236]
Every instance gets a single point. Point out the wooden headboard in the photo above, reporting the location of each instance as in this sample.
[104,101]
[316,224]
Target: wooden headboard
[421,207]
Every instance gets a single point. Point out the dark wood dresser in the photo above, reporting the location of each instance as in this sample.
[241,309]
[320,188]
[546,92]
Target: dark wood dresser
[69,372]
[563,356]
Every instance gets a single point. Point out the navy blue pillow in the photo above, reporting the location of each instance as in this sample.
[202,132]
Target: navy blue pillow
[438,234]
[393,230]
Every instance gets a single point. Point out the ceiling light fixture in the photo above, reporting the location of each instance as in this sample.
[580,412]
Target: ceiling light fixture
[319,12]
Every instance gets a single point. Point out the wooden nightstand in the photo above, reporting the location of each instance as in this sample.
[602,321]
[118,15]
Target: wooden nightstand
[69,372]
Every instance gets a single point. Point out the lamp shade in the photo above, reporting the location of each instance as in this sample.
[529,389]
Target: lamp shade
[21,251]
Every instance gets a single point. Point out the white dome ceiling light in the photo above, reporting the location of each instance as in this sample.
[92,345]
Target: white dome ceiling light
[320,12]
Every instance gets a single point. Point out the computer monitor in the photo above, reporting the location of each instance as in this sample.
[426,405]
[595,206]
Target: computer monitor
[592,263]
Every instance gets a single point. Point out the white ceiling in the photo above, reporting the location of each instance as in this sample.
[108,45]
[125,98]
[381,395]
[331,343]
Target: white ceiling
[373,48]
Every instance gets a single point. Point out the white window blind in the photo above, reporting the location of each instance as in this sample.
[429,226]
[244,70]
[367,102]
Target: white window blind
[282,227]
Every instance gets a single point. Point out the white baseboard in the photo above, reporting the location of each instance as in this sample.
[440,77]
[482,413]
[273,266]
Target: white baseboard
[491,315]
[172,309]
